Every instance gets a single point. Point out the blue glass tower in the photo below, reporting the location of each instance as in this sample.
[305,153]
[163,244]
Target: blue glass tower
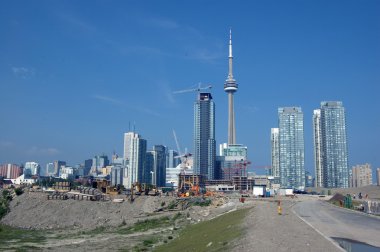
[291,143]
[334,145]
[204,136]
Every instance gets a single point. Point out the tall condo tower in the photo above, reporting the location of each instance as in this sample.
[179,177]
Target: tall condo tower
[230,87]
[204,136]
[134,157]
[330,145]
[291,142]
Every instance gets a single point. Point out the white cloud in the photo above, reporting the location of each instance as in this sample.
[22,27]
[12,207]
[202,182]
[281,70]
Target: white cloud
[36,151]
[107,99]
[23,72]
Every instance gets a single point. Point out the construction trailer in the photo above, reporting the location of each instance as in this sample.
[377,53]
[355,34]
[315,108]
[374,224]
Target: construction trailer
[259,191]
[220,188]
[285,192]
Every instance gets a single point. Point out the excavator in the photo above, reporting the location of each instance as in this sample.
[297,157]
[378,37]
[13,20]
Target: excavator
[193,190]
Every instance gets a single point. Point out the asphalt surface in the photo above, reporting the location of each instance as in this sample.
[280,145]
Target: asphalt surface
[335,222]
[266,230]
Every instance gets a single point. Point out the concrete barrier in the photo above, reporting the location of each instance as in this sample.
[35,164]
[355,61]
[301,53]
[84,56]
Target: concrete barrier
[372,207]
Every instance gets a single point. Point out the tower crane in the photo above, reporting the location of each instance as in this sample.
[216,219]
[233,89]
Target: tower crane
[183,157]
[193,89]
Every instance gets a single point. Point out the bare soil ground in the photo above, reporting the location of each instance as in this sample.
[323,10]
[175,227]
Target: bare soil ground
[67,225]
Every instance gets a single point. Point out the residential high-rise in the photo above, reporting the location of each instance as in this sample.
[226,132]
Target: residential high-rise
[361,175]
[330,145]
[378,176]
[204,136]
[230,87]
[134,156]
[275,145]
[10,171]
[318,160]
[291,141]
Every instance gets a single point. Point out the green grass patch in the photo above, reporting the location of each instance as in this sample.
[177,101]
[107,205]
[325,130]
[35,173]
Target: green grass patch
[10,235]
[212,235]
[145,225]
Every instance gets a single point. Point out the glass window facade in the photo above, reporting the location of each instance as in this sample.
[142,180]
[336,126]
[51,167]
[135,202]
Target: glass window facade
[291,145]
[204,136]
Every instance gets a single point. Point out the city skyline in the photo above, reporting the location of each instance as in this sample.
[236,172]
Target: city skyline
[77,80]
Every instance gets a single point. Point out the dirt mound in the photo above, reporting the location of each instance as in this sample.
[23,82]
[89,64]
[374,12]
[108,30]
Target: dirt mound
[337,197]
[32,210]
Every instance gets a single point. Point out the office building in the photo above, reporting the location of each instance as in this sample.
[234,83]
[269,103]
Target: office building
[57,167]
[378,176]
[204,136]
[98,163]
[31,169]
[134,156]
[171,160]
[159,165]
[361,175]
[50,171]
[291,142]
[67,172]
[275,153]
[330,145]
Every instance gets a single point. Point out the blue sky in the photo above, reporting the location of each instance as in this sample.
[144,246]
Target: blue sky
[75,74]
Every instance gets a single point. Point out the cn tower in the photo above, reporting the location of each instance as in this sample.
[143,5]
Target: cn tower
[230,87]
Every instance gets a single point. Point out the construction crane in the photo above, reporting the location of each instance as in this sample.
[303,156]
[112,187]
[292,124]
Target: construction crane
[238,169]
[181,156]
[193,89]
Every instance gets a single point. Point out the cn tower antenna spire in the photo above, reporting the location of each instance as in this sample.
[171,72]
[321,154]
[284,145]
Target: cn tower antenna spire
[230,87]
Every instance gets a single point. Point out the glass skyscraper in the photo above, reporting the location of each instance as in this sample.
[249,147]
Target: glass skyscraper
[275,160]
[332,144]
[204,136]
[134,156]
[318,161]
[291,148]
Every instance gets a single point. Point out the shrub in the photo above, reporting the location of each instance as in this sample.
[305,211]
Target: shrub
[19,191]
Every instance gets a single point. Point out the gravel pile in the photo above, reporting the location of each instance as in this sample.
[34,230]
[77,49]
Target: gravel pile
[32,210]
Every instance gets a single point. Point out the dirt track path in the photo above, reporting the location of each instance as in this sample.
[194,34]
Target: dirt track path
[265,230]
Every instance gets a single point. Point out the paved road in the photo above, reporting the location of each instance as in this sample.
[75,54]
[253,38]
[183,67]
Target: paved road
[265,230]
[337,222]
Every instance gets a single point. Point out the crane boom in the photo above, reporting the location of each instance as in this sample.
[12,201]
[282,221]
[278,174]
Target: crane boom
[176,142]
[192,89]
